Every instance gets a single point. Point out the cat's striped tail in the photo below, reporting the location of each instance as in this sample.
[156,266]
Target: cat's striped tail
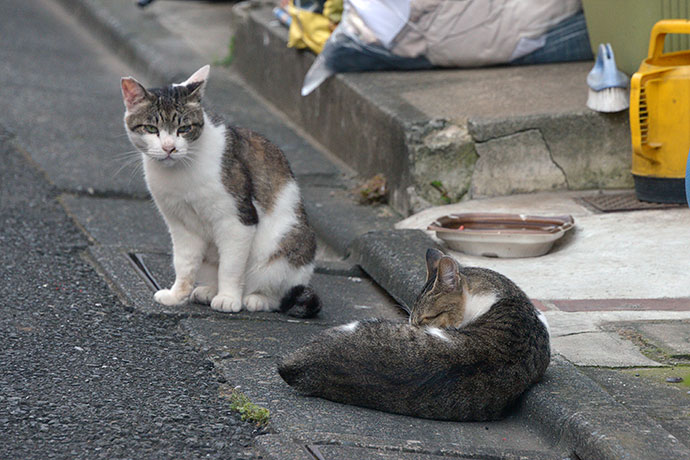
[301,301]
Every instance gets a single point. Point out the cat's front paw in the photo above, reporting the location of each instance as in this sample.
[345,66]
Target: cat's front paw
[169,298]
[260,302]
[227,303]
[204,294]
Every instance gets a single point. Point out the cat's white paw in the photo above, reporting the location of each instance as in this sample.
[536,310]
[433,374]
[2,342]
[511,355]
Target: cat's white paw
[204,294]
[228,303]
[260,302]
[169,298]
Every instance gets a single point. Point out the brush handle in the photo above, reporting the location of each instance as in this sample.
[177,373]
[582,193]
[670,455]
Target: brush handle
[659,31]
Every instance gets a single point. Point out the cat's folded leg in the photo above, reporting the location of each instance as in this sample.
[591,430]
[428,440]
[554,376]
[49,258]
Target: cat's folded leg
[234,244]
[269,282]
[188,251]
[207,283]
[204,294]
[261,302]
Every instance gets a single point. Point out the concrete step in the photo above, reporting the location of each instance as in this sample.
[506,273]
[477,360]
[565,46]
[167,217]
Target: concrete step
[481,132]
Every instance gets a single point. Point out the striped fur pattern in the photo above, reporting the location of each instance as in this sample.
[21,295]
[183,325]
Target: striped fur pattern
[473,345]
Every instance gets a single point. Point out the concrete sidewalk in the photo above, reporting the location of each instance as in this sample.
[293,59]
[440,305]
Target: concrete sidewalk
[569,415]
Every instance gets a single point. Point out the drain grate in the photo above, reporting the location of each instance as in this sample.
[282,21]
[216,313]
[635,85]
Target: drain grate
[315,452]
[619,202]
[144,271]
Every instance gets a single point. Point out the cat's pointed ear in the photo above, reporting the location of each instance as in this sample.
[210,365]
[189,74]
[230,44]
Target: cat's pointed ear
[133,92]
[448,274]
[197,82]
[432,258]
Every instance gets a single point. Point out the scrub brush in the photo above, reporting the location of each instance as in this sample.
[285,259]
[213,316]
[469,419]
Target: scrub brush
[608,86]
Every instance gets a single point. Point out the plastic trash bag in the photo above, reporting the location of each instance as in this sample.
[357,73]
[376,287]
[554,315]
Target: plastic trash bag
[419,34]
[353,47]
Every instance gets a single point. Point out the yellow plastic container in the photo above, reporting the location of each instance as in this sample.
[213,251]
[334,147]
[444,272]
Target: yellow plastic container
[660,118]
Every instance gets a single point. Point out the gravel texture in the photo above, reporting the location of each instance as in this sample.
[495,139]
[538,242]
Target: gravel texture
[81,377]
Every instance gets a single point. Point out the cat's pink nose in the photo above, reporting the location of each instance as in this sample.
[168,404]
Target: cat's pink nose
[169,149]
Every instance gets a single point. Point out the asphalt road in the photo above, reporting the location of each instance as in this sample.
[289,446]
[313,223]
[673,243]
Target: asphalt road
[80,376]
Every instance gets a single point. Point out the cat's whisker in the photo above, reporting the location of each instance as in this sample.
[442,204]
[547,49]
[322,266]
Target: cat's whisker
[125,155]
[129,163]
[128,151]
[187,161]
[136,172]
[123,160]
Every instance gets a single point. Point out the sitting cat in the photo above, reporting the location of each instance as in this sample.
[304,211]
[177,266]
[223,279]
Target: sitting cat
[473,345]
[230,201]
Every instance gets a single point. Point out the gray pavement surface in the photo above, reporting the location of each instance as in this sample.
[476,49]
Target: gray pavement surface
[255,345]
[174,362]
[57,84]
[645,391]
[80,375]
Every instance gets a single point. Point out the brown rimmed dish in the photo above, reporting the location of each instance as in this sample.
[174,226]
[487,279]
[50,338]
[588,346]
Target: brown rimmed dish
[501,235]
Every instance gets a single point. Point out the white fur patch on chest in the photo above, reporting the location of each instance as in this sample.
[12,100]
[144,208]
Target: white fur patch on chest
[193,194]
[349,327]
[477,305]
[436,332]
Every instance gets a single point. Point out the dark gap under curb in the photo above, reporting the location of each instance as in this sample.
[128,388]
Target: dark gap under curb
[144,271]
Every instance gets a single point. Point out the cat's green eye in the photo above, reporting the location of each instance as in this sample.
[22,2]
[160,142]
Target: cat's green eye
[151,129]
[184,129]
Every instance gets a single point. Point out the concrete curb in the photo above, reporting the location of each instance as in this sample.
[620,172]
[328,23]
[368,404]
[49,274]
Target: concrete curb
[149,55]
[338,221]
[590,421]
[395,260]
[585,419]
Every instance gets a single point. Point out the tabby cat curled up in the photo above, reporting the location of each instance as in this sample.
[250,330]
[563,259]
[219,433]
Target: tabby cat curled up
[230,201]
[474,343]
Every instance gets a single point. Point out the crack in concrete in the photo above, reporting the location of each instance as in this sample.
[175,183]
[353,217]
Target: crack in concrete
[570,334]
[548,149]
[471,129]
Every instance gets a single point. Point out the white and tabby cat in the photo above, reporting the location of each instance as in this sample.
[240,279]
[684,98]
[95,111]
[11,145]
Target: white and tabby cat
[230,201]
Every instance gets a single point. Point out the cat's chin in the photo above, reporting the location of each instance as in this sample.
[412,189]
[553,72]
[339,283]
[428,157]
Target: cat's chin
[164,161]
[168,162]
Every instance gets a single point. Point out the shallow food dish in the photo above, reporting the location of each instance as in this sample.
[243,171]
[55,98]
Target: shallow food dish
[501,235]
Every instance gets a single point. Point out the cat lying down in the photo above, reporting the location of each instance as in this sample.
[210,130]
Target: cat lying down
[473,345]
